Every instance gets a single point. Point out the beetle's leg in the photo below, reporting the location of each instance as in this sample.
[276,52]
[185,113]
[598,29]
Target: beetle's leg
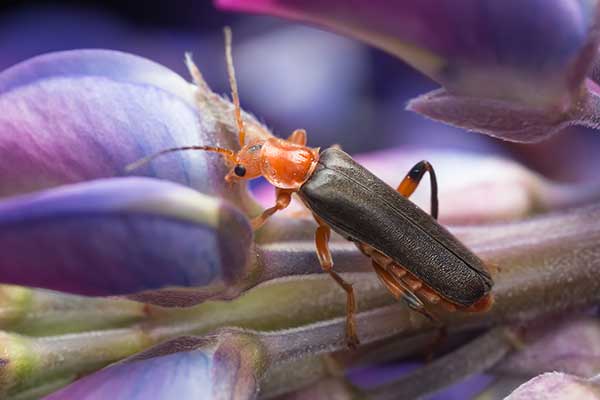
[401,291]
[440,337]
[441,334]
[322,241]
[283,200]
[298,137]
[396,288]
[412,179]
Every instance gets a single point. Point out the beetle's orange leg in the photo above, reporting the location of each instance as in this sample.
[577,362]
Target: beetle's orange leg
[395,278]
[298,137]
[284,197]
[322,241]
[397,288]
[400,291]
[412,179]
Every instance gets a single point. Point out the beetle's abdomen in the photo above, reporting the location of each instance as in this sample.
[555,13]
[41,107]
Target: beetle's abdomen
[360,206]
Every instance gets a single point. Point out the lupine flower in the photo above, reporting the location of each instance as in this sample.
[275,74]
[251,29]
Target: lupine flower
[555,385]
[261,318]
[516,70]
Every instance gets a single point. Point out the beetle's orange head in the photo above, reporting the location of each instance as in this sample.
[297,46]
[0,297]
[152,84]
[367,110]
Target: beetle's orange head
[246,163]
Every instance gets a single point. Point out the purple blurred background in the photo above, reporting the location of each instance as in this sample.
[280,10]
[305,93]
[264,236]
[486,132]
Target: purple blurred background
[290,76]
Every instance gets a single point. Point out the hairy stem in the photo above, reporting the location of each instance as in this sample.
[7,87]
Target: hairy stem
[541,266]
[476,356]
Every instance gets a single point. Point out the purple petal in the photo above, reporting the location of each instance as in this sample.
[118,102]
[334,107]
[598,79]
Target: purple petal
[513,69]
[80,115]
[186,368]
[572,346]
[556,386]
[498,118]
[471,46]
[114,65]
[119,236]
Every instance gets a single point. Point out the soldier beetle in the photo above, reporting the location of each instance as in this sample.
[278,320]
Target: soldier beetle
[414,256]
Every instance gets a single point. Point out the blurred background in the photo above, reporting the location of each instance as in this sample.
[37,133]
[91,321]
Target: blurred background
[290,76]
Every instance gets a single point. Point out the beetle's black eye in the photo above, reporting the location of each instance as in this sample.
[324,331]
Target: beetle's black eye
[239,170]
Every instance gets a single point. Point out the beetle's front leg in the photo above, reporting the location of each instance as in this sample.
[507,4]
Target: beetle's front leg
[284,197]
[413,178]
[322,241]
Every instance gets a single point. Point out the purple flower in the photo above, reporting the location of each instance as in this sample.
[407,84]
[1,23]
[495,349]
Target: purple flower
[72,118]
[263,314]
[514,70]
[556,385]
[188,367]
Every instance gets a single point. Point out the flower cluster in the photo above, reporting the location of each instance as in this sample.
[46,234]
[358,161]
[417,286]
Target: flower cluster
[152,284]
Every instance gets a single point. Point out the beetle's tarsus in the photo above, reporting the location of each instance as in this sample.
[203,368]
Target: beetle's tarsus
[439,339]
[352,339]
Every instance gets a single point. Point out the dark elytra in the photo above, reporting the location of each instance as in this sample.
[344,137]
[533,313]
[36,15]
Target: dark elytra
[363,208]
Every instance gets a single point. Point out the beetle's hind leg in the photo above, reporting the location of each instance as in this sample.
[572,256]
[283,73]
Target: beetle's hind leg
[397,276]
[413,178]
[322,242]
[401,292]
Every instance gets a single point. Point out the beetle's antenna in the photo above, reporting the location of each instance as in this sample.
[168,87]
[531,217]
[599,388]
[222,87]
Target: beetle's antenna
[233,84]
[230,155]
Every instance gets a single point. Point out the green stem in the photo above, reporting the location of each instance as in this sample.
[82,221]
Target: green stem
[42,390]
[36,360]
[542,266]
[37,312]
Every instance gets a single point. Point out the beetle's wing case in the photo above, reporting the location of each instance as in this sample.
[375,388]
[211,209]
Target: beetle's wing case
[363,208]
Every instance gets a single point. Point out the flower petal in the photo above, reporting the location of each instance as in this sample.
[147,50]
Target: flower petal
[114,65]
[119,236]
[188,368]
[571,346]
[474,47]
[502,119]
[556,386]
[86,114]
[513,69]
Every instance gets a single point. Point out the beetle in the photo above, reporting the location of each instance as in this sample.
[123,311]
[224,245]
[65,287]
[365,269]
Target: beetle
[414,256]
